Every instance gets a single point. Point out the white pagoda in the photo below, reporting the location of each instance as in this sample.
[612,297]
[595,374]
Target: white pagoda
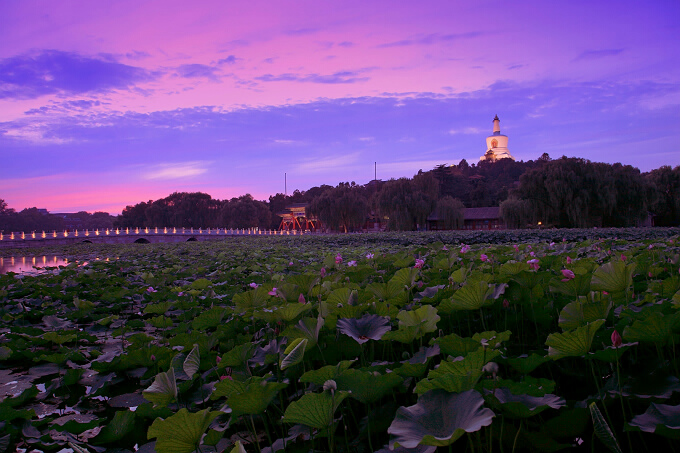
[496,144]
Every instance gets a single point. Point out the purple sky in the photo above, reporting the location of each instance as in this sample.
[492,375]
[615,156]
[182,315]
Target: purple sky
[106,104]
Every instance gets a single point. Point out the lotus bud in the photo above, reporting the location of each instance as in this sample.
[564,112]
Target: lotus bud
[218,359]
[616,339]
[301,299]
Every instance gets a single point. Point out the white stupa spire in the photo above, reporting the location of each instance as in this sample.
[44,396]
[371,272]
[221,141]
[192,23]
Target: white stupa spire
[496,144]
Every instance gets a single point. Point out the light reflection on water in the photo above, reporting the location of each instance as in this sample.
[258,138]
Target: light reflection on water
[37,264]
[28,264]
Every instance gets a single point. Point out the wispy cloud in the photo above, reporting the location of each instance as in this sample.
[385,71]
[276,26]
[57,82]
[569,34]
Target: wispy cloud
[47,72]
[337,77]
[466,130]
[597,54]
[195,70]
[177,170]
[431,38]
[231,59]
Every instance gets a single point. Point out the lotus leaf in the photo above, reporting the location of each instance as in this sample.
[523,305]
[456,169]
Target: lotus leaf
[424,319]
[122,424]
[475,295]
[459,375]
[254,397]
[163,390]
[328,372]
[575,343]
[523,405]
[526,364]
[602,430]
[309,328]
[192,362]
[208,319]
[584,310]
[613,277]
[238,448]
[655,328]
[662,419]
[368,327]
[387,291]
[157,308]
[285,313]
[575,287]
[200,283]
[182,432]
[439,419]
[294,353]
[366,386]
[343,296]
[456,345]
[315,410]
[250,300]
[405,278]
[237,357]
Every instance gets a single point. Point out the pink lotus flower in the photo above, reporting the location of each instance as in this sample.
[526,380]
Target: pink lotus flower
[616,339]
[420,284]
[533,264]
[532,253]
[568,275]
[623,257]
[419,264]
[483,257]
[273,292]
[649,274]
[153,358]
[226,377]
[338,259]
[464,248]
[301,299]
[290,263]
[352,263]
[369,256]
[253,285]
[218,359]
[568,260]
[151,290]
[323,272]
[180,294]
[516,247]
[444,249]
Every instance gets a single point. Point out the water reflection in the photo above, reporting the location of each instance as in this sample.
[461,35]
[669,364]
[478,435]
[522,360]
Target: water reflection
[28,264]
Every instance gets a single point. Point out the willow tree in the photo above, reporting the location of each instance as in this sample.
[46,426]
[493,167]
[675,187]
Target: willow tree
[665,199]
[574,192]
[407,202]
[343,208]
[450,213]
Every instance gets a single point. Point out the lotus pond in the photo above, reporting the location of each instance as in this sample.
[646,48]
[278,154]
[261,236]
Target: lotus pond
[498,342]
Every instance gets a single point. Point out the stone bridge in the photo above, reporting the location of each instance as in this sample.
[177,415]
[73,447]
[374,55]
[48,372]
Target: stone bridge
[130,236]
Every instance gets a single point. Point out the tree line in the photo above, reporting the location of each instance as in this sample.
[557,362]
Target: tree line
[564,192]
[34,219]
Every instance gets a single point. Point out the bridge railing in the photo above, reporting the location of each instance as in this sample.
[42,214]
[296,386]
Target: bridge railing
[23,236]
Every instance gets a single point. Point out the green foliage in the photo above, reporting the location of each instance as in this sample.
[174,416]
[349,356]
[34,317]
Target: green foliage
[182,432]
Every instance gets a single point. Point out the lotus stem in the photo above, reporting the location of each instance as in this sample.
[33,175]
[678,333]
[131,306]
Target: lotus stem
[514,443]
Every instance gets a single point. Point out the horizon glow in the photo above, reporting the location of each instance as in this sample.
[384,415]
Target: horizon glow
[104,105]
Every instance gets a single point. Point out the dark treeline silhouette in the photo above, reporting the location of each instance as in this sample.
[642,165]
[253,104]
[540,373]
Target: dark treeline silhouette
[183,209]
[34,219]
[564,192]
